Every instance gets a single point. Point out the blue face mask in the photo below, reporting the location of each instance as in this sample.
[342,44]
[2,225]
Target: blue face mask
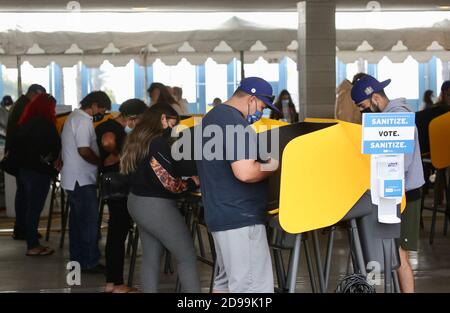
[252,118]
[284,102]
[128,129]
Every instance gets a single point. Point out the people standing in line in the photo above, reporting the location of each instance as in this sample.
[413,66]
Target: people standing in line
[345,109]
[154,186]
[368,95]
[234,191]
[159,93]
[444,96]
[38,148]
[427,100]
[110,138]
[15,114]
[5,106]
[286,106]
[178,95]
[80,156]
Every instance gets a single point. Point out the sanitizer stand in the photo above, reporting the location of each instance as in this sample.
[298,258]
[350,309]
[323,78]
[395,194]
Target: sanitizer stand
[387,189]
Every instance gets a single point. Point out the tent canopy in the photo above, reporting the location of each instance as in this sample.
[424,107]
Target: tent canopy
[221,43]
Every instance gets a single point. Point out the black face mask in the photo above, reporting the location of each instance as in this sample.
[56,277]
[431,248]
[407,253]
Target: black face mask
[98,117]
[367,110]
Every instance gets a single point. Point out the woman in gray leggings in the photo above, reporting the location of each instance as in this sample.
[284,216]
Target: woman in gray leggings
[154,187]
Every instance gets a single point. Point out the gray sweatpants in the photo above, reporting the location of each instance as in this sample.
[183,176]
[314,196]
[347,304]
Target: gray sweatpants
[244,261]
[161,225]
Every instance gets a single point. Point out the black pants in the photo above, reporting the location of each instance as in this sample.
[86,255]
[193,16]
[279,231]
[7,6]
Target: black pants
[119,224]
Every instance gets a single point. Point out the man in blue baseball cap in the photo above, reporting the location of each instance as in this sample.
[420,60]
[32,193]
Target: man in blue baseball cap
[368,94]
[234,190]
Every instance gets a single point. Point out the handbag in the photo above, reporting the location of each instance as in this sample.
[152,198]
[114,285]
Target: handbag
[114,186]
[9,165]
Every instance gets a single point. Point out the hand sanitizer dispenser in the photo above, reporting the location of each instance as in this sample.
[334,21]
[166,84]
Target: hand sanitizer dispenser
[387,181]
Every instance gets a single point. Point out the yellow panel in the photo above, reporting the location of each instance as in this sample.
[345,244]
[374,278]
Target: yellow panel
[321,120]
[60,120]
[267,124]
[191,121]
[439,132]
[323,175]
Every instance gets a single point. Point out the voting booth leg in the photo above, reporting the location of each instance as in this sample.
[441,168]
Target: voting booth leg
[50,211]
[101,210]
[396,281]
[330,244]
[215,266]
[387,252]
[309,263]
[440,179]
[447,204]
[294,263]
[129,241]
[133,256]
[318,260]
[356,248]
[64,217]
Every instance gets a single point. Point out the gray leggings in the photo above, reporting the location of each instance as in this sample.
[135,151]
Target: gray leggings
[161,225]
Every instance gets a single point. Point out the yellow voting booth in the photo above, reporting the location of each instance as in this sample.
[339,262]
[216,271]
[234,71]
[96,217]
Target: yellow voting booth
[439,136]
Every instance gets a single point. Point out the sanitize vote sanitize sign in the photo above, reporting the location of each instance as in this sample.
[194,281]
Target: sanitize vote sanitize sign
[388,133]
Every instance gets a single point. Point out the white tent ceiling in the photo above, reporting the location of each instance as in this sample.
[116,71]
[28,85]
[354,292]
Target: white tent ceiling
[222,44]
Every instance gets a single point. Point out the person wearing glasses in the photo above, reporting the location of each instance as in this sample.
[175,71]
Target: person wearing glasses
[110,137]
[234,191]
[368,94]
[154,186]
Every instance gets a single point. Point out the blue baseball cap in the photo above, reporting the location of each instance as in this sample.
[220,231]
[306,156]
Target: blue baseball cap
[364,88]
[259,88]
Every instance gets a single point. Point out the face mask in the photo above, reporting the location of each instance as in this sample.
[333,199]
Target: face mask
[128,129]
[285,102]
[374,107]
[252,118]
[98,117]
[366,110]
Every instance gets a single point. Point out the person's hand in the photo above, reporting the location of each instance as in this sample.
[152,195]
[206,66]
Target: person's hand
[58,164]
[196,180]
[271,165]
[111,160]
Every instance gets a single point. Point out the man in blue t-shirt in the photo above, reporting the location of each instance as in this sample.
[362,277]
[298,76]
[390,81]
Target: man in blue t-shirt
[234,189]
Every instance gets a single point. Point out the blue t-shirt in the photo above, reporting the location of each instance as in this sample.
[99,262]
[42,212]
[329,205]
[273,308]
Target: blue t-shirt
[228,202]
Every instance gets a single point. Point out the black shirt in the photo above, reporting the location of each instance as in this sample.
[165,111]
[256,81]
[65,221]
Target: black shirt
[157,174]
[38,145]
[229,203]
[117,129]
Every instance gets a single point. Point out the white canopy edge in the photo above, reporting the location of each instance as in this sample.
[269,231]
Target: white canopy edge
[95,61]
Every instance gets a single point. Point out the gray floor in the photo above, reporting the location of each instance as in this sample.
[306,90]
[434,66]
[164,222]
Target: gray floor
[19,273]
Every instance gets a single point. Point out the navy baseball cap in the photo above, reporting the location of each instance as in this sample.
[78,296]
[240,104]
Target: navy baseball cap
[364,87]
[259,88]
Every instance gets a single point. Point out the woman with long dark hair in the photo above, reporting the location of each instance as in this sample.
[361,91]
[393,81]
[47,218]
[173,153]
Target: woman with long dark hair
[286,107]
[38,147]
[159,93]
[154,186]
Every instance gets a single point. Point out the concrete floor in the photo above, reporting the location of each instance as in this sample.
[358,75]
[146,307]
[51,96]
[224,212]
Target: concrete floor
[19,273]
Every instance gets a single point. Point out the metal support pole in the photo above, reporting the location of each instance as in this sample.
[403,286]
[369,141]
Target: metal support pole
[318,261]
[294,263]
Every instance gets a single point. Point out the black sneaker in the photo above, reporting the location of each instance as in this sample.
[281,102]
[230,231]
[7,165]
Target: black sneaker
[98,269]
